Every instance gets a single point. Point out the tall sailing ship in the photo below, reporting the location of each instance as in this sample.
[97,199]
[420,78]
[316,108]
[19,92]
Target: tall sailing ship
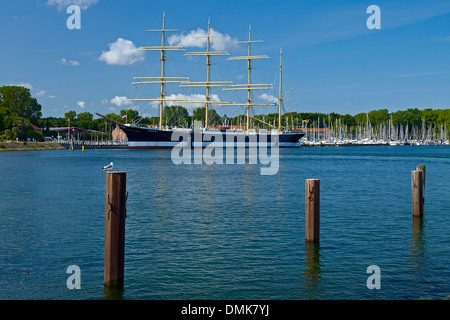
[141,137]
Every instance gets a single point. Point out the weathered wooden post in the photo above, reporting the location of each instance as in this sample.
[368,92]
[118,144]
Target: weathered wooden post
[417,185]
[421,167]
[312,209]
[115,214]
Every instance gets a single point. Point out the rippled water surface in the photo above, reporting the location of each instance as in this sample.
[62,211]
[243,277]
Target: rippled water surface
[226,231]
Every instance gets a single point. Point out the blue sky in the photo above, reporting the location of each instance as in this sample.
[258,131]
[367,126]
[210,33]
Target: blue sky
[331,60]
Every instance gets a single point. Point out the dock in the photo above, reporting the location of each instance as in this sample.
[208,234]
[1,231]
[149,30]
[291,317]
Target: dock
[78,145]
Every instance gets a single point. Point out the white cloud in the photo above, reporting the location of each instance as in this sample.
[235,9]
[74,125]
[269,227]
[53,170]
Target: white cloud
[224,42]
[188,106]
[24,84]
[123,52]
[43,93]
[120,101]
[268,97]
[40,93]
[63,4]
[66,62]
[81,104]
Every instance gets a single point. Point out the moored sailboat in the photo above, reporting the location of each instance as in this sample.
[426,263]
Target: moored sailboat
[140,137]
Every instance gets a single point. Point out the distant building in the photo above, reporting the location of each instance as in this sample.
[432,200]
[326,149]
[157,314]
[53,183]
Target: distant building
[72,130]
[64,132]
[119,135]
[37,129]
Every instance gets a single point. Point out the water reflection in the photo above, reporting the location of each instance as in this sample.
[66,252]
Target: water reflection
[113,293]
[417,241]
[417,252]
[312,275]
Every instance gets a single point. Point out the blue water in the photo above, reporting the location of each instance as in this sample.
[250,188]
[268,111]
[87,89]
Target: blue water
[226,231]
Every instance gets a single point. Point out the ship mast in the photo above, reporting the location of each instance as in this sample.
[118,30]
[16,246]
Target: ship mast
[163,79]
[280,99]
[249,86]
[208,84]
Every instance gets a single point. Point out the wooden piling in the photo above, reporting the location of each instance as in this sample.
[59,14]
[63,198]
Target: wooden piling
[417,185]
[115,214]
[312,209]
[421,167]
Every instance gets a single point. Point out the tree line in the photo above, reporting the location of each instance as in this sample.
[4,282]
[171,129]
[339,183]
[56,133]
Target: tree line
[178,116]
[19,111]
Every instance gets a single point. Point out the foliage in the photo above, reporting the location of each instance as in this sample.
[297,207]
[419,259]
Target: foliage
[131,115]
[213,116]
[17,101]
[18,111]
[19,129]
[34,135]
[176,116]
[84,120]
[70,116]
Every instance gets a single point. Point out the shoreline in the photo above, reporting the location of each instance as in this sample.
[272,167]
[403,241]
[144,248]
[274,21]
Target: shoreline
[52,145]
[29,146]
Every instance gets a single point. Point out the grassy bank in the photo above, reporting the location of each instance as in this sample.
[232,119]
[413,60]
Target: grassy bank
[28,146]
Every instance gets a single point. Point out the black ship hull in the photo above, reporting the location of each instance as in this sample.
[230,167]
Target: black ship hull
[150,138]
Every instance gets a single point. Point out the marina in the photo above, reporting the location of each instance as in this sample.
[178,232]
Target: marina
[326,133]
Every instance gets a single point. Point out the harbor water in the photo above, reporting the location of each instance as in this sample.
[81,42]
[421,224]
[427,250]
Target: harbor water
[200,231]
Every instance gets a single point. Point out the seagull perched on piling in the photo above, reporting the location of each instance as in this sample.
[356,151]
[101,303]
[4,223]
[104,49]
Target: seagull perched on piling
[108,167]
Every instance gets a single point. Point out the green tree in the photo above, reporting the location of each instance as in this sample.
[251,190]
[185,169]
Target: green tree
[444,118]
[131,114]
[213,116]
[413,116]
[84,120]
[72,115]
[378,117]
[34,135]
[360,118]
[111,116]
[175,116]
[2,125]
[348,120]
[21,128]
[17,100]
[429,115]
